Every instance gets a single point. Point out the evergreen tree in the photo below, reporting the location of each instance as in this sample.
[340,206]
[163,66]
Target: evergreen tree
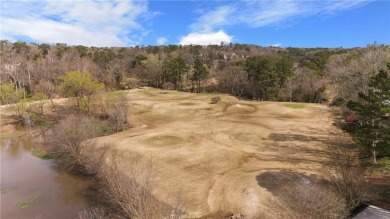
[200,73]
[372,128]
[173,70]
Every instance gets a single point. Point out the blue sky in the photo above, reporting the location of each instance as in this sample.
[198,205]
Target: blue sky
[285,23]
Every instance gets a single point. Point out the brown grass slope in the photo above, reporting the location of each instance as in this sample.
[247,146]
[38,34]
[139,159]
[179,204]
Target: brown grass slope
[212,153]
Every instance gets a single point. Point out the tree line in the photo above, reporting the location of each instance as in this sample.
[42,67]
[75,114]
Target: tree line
[247,71]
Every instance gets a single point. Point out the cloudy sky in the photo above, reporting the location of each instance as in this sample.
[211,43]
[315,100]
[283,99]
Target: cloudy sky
[296,23]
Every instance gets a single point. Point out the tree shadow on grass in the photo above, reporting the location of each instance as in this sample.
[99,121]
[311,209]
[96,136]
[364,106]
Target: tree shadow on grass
[274,181]
[295,148]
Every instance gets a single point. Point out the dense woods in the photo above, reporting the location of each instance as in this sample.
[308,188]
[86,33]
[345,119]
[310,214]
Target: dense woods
[247,71]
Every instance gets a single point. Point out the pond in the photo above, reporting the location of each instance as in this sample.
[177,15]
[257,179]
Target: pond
[35,188]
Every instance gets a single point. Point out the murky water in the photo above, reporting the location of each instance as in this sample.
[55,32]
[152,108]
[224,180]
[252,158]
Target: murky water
[35,188]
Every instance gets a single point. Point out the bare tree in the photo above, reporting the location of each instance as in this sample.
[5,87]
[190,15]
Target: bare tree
[234,79]
[129,184]
[114,106]
[345,175]
[49,90]
[300,200]
[94,213]
[350,72]
[118,110]
[71,132]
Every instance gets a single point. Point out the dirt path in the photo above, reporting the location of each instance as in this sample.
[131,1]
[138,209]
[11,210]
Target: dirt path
[212,153]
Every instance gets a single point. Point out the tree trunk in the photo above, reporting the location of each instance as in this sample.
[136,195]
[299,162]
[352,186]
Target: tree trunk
[29,77]
[374,144]
[374,161]
[374,157]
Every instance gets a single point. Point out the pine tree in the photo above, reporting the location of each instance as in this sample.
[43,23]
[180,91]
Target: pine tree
[372,129]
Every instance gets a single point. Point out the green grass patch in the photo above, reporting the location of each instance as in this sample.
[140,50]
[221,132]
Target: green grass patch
[43,153]
[294,105]
[45,123]
[4,191]
[167,141]
[6,136]
[382,168]
[384,193]
[46,156]
[106,128]
[25,203]
[65,159]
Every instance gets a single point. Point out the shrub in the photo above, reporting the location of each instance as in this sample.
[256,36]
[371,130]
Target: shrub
[71,132]
[300,200]
[215,100]
[128,184]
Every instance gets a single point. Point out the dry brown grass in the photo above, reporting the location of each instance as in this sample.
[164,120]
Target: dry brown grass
[213,152]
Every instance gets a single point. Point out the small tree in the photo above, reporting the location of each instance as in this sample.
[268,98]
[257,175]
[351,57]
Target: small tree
[200,73]
[49,90]
[37,103]
[344,173]
[173,70]
[299,200]
[81,86]
[117,110]
[71,132]
[129,183]
[9,95]
[6,93]
[372,130]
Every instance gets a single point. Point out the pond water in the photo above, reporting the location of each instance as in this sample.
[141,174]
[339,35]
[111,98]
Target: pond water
[35,188]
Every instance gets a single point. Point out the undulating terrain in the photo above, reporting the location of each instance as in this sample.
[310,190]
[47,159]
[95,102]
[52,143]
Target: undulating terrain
[213,155]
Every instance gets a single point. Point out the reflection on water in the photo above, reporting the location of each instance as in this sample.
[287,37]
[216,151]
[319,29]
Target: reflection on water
[34,188]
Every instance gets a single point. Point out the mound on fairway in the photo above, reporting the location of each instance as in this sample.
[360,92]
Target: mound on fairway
[212,154]
[163,141]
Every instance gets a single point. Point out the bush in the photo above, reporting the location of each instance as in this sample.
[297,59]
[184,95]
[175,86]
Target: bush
[215,100]
[128,184]
[338,102]
[93,213]
[71,132]
[168,86]
[345,175]
[300,200]
[81,86]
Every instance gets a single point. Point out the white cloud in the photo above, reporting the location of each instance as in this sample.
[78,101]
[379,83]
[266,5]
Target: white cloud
[55,32]
[87,22]
[276,45]
[210,38]
[268,12]
[161,41]
[208,21]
